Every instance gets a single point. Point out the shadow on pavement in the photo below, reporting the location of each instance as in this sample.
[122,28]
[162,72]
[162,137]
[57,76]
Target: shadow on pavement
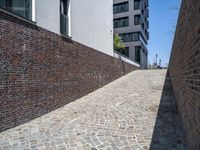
[167,134]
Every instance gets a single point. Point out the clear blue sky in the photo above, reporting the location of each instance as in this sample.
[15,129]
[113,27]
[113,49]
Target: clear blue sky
[162,21]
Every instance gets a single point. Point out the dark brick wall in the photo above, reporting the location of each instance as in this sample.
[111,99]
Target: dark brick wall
[184,70]
[41,71]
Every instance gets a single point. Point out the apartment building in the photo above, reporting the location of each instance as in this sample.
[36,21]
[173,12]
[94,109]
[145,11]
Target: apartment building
[131,23]
[88,22]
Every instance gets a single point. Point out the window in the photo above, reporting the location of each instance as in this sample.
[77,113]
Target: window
[121,22]
[3,3]
[64,7]
[128,37]
[142,11]
[64,22]
[124,51]
[136,4]
[147,34]
[147,22]
[137,53]
[137,19]
[121,7]
[147,13]
[20,7]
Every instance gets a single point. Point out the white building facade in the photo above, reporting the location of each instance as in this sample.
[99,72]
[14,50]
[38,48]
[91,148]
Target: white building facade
[88,22]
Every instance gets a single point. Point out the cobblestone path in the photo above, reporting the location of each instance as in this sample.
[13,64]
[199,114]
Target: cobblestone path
[124,115]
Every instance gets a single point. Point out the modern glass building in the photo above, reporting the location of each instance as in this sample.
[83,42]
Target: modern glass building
[131,23]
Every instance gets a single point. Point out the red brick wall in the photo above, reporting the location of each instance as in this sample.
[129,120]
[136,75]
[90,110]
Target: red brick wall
[184,70]
[41,71]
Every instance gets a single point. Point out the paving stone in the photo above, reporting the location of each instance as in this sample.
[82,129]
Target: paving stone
[129,113]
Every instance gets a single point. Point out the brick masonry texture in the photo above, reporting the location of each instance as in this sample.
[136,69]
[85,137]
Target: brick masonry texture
[41,71]
[184,70]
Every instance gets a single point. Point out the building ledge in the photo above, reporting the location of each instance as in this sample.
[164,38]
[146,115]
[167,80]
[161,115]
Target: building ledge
[66,38]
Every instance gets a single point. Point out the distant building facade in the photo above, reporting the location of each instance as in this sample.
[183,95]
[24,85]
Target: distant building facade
[131,23]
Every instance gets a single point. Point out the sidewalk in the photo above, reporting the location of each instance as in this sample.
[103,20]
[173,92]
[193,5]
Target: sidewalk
[119,116]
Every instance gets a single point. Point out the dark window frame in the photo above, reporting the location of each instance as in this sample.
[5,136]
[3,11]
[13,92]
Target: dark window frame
[121,22]
[130,37]
[121,7]
[27,6]
[138,54]
[137,20]
[64,18]
[137,4]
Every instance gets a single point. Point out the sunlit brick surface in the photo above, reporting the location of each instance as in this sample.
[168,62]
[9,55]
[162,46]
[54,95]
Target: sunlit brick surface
[41,71]
[184,69]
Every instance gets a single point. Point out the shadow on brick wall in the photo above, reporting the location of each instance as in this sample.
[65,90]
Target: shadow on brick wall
[167,132]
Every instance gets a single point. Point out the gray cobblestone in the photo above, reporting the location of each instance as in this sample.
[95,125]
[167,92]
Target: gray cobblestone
[119,116]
